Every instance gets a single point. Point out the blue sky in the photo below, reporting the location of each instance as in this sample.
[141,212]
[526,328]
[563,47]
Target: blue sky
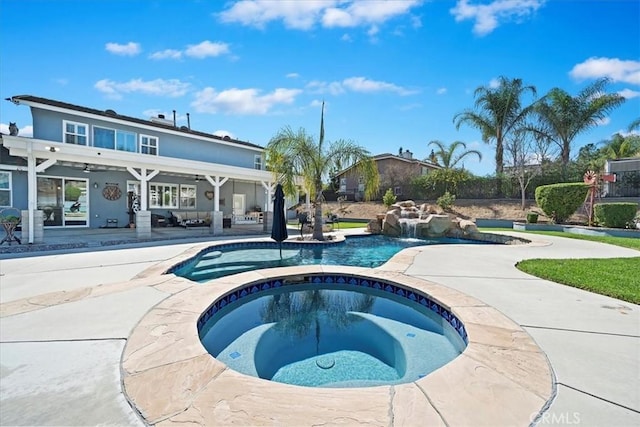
[392,73]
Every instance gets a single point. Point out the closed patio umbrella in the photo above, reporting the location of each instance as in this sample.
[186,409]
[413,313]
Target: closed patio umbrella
[279,227]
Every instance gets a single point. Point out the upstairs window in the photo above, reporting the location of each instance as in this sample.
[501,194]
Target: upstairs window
[149,145]
[5,189]
[75,133]
[257,162]
[104,138]
[126,141]
[114,139]
[343,185]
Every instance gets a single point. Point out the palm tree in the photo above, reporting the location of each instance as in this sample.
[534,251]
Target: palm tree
[562,116]
[497,114]
[447,158]
[620,147]
[635,125]
[291,155]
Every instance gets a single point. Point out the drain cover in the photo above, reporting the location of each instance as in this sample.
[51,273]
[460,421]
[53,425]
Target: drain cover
[325,362]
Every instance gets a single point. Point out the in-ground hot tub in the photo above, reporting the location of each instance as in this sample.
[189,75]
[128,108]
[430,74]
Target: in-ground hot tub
[331,330]
[501,378]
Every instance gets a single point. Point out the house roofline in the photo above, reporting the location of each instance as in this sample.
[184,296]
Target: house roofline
[395,157]
[112,116]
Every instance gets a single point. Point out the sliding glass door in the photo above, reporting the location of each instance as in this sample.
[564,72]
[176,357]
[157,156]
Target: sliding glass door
[63,201]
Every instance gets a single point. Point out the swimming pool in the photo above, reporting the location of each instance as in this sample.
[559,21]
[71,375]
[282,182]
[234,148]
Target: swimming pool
[331,331]
[359,251]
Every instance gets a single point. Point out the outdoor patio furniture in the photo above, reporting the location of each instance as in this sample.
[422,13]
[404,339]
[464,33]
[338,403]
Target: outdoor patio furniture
[9,220]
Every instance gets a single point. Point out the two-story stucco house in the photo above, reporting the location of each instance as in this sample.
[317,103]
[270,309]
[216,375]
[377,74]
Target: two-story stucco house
[395,171]
[90,168]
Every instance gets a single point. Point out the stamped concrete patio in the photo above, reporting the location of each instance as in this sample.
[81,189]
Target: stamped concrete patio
[67,319]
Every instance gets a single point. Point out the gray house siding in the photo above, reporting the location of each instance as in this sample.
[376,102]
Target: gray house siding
[47,125]
[63,184]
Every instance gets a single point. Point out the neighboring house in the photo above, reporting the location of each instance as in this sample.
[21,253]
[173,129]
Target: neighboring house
[627,177]
[396,172]
[84,167]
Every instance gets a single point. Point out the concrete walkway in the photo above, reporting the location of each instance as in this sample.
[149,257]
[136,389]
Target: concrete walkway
[60,365]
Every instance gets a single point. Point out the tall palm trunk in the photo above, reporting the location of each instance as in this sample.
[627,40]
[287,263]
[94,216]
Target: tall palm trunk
[499,167]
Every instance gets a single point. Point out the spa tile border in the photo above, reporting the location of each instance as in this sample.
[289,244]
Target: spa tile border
[413,295]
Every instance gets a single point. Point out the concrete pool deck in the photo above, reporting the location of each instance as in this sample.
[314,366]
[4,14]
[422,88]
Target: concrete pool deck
[67,318]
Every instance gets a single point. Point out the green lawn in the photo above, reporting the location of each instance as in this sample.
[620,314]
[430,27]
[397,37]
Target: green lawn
[614,277]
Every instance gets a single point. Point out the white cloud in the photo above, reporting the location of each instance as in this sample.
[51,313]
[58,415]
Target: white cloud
[626,71]
[441,91]
[316,103]
[603,121]
[26,131]
[166,54]
[223,133]
[361,84]
[129,49]
[357,84]
[206,49]
[300,15]
[487,17]
[333,88]
[172,88]
[628,93]
[368,12]
[494,83]
[241,101]
[304,15]
[292,75]
[346,38]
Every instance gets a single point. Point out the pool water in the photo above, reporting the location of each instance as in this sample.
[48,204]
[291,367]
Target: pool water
[362,251]
[330,336]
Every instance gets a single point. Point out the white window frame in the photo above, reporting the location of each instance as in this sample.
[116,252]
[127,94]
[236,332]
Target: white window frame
[257,162]
[93,137]
[360,183]
[184,196]
[145,142]
[135,139]
[75,133]
[8,189]
[161,187]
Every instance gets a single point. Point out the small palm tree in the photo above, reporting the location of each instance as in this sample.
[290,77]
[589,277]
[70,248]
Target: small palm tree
[447,157]
[620,147]
[292,155]
[562,116]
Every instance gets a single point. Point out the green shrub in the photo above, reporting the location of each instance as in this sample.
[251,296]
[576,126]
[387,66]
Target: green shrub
[446,200]
[389,198]
[560,201]
[532,218]
[614,215]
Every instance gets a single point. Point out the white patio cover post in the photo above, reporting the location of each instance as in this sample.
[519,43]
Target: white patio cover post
[216,182]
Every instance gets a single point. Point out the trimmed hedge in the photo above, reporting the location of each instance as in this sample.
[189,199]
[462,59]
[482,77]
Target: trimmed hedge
[614,215]
[560,201]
